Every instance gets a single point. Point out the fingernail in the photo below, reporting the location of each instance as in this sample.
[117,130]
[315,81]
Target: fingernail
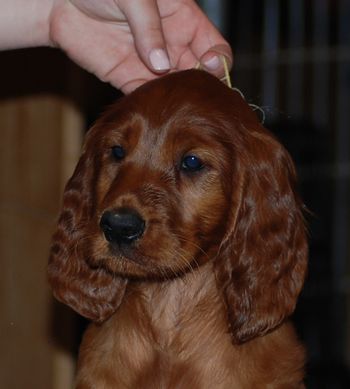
[159,59]
[213,63]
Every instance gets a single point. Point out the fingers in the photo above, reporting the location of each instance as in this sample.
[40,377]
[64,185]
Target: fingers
[145,24]
[212,60]
[208,44]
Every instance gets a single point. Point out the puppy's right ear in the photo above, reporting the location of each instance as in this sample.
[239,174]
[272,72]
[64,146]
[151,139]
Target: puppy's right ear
[264,256]
[93,293]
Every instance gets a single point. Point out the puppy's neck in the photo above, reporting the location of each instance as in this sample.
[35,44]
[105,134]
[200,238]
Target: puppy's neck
[174,305]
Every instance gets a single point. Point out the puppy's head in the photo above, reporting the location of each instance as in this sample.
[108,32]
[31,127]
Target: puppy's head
[176,174]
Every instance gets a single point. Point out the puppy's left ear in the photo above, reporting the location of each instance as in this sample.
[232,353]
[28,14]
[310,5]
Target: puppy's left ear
[263,258]
[93,293]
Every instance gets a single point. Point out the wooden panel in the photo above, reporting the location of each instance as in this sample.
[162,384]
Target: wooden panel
[40,142]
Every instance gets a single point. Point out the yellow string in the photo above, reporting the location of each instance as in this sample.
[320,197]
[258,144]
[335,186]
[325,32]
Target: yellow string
[227,79]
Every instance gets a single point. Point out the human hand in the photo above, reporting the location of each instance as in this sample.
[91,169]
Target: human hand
[128,42]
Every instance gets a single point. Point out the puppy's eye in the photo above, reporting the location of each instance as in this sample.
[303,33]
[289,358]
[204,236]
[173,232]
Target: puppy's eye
[191,163]
[118,152]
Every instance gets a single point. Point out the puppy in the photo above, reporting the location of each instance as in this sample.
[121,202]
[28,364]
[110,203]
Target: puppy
[182,238]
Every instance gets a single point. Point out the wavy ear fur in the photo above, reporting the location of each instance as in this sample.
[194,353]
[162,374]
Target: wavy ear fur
[93,293]
[264,255]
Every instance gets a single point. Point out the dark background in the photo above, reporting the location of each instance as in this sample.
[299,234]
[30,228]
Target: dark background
[292,58]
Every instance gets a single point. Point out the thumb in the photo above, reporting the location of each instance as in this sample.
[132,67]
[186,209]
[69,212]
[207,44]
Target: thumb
[145,24]
[213,61]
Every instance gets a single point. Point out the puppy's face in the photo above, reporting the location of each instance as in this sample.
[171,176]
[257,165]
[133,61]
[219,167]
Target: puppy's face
[160,202]
[176,174]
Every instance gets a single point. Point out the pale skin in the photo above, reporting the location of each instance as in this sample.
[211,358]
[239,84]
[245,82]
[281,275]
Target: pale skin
[123,42]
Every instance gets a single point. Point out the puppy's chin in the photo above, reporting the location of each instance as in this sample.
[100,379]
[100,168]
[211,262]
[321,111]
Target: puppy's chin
[128,261]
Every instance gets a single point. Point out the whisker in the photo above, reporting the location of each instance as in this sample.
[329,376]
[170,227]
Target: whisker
[193,244]
[186,263]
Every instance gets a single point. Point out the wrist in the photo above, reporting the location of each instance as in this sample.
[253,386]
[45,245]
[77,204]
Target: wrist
[25,23]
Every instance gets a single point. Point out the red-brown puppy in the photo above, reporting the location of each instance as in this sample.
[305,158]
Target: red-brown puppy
[182,238]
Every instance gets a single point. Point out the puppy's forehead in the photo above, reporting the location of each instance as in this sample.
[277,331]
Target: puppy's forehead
[180,93]
[191,98]
[177,100]
[189,92]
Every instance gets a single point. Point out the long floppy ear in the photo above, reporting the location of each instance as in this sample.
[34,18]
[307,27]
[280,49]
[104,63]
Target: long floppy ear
[93,293]
[263,260]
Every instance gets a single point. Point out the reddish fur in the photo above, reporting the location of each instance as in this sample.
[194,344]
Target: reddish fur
[202,298]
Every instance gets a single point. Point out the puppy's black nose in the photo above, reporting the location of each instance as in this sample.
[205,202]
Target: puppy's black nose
[122,225]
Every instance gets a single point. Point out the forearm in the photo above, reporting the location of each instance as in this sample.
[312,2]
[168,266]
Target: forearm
[24,23]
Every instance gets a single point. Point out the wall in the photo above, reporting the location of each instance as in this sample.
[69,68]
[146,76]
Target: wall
[40,142]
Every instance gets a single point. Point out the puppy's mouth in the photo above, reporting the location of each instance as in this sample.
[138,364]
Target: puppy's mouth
[128,261]
[129,247]
[128,252]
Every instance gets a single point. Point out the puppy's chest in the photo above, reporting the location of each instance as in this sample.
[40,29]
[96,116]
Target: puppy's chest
[162,351]
[165,339]
[173,358]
